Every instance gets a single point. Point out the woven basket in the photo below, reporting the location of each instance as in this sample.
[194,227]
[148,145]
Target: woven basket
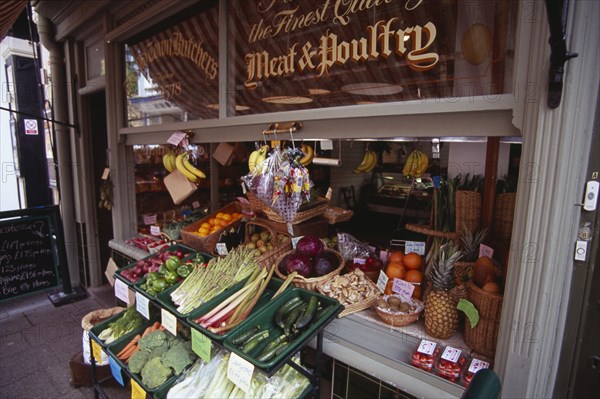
[504,213]
[208,243]
[335,214]
[355,307]
[255,204]
[307,212]
[281,243]
[468,210]
[483,337]
[400,319]
[311,283]
[428,231]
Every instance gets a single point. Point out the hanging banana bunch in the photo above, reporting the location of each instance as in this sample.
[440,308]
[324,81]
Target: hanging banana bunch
[257,157]
[368,162]
[416,164]
[185,167]
[309,154]
[168,160]
[106,195]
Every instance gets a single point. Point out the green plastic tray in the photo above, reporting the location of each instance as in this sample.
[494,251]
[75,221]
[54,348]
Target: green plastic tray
[98,328]
[265,319]
[182,248]
[264,300]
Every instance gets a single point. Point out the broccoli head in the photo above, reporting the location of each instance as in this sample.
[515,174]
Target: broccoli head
[154,373]
[152,340]
[177,357]
[159,350]
[138,360]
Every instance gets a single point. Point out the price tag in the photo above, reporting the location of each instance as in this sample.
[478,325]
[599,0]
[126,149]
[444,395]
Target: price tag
[415,246]
[155,230]
[382,281]
[295,241]
[176,138]
[105,174]
[477,365]
[484,250]
[121,291]
[451,354]
[142,305]
[426,347]
[327,145]
[149,219]
[115,369]
[359,261]
[240,371]
[169,321]
[470,310]
[222,249]
[97,352]
[137,392]
[201,344]
[383,255]
[195,205]
[403,288]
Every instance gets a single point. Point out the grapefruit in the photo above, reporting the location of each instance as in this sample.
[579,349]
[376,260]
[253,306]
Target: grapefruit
[395,270]
[396,256]
[413,276]
[412,261]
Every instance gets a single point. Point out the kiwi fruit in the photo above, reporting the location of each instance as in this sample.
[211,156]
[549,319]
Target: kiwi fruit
[381,303]
[394,301]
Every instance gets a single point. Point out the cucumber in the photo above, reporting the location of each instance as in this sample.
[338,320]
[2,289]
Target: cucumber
[285,310]
[256,339]
[291,318]
[245,335]
[308,314]
[267,355]
[269,350]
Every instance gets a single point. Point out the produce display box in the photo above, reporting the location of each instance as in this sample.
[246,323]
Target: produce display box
[265,319]
[156,393]
[98,328]
[317,226]
[182,248]
[138,285]
[265,298]
[209,242]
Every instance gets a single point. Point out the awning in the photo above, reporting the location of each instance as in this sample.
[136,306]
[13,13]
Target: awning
[9,12]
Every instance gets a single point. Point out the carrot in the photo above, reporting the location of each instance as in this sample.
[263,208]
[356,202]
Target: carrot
[127,353]
[132,343]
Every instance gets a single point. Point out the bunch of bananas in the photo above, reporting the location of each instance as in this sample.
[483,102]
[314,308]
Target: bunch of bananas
[368,162]
[182,163]
[257,157]
[106,195]
[168,161]
[309,154]
[416,163]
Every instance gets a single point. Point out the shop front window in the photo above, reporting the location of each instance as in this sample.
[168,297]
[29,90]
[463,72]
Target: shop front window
[172,76]
[293,55]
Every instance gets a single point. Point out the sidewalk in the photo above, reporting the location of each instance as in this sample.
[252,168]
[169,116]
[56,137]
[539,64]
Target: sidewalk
[37,340]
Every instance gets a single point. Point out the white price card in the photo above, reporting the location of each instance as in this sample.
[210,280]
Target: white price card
[121,291]
[149,219]
[484,250]
[176,138]
[142,305]
[195,205]
[403,288]
[169,321]
[222,249]
[382,281]
[240,371]
[155,230]
[327,145]
[477,365]
[295,241]
[359,261]
[451,354]
[415,246]
[426,347]
[105,174]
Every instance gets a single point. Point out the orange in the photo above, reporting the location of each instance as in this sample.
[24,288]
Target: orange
[205,225]
[396,256]
[223,222]
[417,292]
[412,261]
[491,287]
[212,221]
[395,270]
[219,215]
[413,276]
[226,216]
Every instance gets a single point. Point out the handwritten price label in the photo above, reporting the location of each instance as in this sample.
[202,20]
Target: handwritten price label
[149,219]
[97,352]
[240,371]
[155,230]
[484,250]
[201,345]
[477,365]
[169,321]
[426,347]
[195,205]
[382,281]
[121,291]
[359,261]
[451,354]
[176,138]
[403,288]
[415,246]
[137,392]
[105,174]
[115,369]
[222,249]
[142,305]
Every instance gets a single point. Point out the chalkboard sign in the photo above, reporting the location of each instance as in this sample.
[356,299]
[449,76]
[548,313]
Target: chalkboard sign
[27,256]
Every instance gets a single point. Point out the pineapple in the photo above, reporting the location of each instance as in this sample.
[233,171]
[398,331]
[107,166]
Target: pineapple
[441,315]
[470,243]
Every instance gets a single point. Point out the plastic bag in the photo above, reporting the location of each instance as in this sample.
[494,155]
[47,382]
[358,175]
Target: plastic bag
[260,180]
[350,247]
[197,379]
[90,320]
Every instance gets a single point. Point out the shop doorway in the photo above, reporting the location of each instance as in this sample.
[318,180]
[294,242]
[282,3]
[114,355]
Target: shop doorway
[99,145]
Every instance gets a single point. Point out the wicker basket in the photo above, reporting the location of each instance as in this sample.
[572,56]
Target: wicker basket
[255,204]
[307,212]
[483,337]
[208,243]
[428,231]
[355,307]
[311,283]
[281,243]
[335,214]
[400,319]
[468,210]
[504,213]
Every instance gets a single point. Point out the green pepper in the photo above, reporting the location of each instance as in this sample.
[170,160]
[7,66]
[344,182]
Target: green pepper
[159,284]
[172,263]
[151,291]
[183,271]
[150,277]
[162,269]
[199,258]
[171,277]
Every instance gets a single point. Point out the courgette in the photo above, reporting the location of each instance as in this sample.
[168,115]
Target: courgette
[291,318]
[245,335]
[269,350]
[285,309]
[267,355]
[256,339]
[308,314]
